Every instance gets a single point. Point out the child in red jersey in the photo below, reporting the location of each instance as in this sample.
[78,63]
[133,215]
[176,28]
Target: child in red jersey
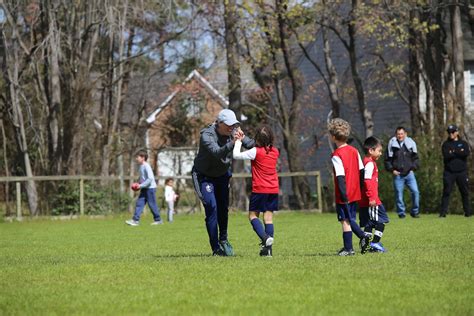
[264,198]
[372,211]
[348,168]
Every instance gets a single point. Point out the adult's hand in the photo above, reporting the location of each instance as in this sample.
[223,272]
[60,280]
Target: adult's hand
[396,173]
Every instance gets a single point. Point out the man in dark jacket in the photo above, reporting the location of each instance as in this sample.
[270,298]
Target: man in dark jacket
[401,159]
[211,175]
[455,153]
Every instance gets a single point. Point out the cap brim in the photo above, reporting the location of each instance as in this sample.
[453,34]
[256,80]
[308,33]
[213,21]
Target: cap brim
[230,122]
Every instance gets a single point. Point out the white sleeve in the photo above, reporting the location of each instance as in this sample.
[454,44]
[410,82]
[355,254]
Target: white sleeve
[369,170]
[338,166]
[245,155]
[361,164]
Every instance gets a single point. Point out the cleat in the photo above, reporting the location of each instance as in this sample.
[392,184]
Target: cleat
[442,215]
[377,247]
[415,215]
[227,248]
[160,222]
[266,251]
[365,243]
[343,252]
[131,222]
[401,216]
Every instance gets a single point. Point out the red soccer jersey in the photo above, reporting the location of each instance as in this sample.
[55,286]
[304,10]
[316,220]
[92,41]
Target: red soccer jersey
[347,162]
[264,174]
[370,191]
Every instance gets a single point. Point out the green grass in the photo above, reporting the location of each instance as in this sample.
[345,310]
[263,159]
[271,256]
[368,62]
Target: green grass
[102,266]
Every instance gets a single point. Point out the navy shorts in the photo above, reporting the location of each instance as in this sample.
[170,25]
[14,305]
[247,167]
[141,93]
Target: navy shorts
[261,202]
[346,211]
[376,214]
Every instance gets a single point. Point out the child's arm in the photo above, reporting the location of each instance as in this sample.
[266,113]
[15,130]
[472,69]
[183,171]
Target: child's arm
[369,183]
[149,177]
[340,177]
[245,155]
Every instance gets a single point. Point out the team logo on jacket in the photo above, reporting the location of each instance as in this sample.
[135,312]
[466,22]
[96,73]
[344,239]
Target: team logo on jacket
[208,188]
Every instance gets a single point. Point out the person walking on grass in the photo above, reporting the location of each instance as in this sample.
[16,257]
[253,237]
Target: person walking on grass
[147,186]
[372,215]
[348,170]
[455,154]
[401,159]
[264,197]
[211,175]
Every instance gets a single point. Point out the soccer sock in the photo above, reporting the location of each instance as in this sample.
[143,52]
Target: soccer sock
[356,229]
[269,229]
[347,237]
[258,228]
[378,232]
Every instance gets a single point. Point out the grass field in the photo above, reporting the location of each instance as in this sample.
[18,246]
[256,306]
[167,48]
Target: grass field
[102,266]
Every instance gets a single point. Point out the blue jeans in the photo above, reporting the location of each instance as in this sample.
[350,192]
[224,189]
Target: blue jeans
[399,183]
[214,194]
[147,196]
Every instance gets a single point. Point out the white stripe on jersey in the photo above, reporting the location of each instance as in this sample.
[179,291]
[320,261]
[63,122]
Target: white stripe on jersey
[338,166]
[369,170]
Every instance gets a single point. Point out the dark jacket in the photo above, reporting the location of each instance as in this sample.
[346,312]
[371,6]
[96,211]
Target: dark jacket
[455,153]
[401,158]
[214,157]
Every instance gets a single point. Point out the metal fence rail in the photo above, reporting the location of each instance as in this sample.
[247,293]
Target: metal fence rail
[123,179]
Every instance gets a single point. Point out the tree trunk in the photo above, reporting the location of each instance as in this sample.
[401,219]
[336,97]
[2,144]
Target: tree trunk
[55,100]
[107,150]
[11,63]
[458,62]
[7,168]
[364,111]
[332,74]
[235,95]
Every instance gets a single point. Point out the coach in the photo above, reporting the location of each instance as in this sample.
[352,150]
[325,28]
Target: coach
[401,159]
[455,153]
[211,174]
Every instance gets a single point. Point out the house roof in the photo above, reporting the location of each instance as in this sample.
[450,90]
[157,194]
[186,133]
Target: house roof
[193,75]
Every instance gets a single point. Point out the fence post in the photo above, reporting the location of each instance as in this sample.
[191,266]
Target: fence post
[81,196]
[318,188]
[18,201]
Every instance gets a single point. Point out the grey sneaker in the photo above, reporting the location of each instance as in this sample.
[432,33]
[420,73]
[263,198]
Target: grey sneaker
[343,252]
[227,247]
[131,222]
[160,222]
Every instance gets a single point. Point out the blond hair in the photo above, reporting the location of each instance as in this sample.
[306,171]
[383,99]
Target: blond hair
[340,129]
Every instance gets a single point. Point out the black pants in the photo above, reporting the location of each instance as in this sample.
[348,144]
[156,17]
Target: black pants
[462,181]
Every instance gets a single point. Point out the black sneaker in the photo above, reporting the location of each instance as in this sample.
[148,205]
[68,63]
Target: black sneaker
[468,215]
[401,216]
[415,215]
[266,251]
[365,243]
[343,252]
[442,215]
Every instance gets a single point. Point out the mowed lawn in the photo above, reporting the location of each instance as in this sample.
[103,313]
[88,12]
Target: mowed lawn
[102,266]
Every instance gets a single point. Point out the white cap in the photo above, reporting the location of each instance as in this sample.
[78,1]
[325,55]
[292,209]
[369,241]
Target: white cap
[227,117]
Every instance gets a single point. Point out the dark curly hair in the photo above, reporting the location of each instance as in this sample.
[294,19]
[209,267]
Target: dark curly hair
[264,137]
